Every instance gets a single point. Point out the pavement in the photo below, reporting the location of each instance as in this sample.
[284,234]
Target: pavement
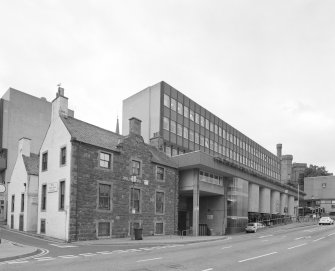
[11,251]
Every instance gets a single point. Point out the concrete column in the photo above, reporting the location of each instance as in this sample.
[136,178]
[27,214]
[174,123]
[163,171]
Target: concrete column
[283,204]
[275,202]
[196,203]
[291,205]
[264,200]
[253,198]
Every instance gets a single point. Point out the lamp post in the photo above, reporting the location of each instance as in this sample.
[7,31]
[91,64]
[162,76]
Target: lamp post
[133,180]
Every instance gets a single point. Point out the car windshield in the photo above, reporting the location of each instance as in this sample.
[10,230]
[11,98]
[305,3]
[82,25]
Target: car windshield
[251,224]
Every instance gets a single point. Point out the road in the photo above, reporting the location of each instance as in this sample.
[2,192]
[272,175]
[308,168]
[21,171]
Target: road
[306,248]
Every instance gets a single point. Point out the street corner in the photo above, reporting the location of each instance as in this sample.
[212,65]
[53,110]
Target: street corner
[12,251]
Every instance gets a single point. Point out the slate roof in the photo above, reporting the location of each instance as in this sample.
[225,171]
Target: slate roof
[96,136]
[31,163]
[91,134]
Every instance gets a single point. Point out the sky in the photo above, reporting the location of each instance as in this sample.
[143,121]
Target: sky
[265,67]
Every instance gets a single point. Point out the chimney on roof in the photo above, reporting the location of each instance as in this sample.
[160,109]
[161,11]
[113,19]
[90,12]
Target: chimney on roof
[59,104]
[135,126]
[24,146]
[157,141]
[279,150]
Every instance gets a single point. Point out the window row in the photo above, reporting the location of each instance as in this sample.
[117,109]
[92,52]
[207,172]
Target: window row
[62,159]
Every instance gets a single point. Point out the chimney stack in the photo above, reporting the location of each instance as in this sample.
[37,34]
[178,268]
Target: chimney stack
[135,126]
[24,146]
[279,150]
[59,105]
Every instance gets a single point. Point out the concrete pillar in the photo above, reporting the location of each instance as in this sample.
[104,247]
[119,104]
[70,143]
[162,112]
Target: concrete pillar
[253,198]
[264,200]
[196,203]
[291,205]
[275,202]
[283,204]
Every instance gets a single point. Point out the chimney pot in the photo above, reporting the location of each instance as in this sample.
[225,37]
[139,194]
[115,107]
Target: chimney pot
[135,126]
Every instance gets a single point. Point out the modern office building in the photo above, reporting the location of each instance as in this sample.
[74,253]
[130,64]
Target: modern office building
[226,178]
[320,193]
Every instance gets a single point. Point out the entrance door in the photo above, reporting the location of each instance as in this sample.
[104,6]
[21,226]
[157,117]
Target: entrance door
[182,220]
[21,223]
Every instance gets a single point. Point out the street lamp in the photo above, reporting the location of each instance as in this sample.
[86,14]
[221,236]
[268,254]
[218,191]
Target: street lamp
[133,180]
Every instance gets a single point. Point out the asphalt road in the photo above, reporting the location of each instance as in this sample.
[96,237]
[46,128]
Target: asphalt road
[306,248]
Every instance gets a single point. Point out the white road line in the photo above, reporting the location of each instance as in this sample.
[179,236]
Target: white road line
[298,238]
[147,248]
[331,234]
[333,269]
[209,269]
[298,246]
[68,256]
[105,252]
[88,254]
[146,260]
[62,245]
[319,239]
[44,259]
[15,262]
[133,250]
[257,257]
[119,251]
[264,236]
[226,247]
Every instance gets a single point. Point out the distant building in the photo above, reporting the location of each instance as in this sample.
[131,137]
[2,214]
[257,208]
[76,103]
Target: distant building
[320,193]
[94,183]
[226,178]
[23,190]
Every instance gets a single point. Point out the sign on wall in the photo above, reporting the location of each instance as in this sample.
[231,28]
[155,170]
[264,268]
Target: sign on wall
[52,187]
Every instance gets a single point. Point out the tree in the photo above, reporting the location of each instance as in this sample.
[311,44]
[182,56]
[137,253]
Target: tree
[313,171]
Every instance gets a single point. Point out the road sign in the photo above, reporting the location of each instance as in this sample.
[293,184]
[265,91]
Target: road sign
[2,188]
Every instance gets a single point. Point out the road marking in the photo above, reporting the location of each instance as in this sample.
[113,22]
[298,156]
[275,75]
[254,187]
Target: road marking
[226,247]
[105,252]
[298,246]
[14,262]
[147,248]
[146,260]
[257,257]
[62,246]
[303,237]
[132,250]
[333,269]
[264,236]
[88,254]
[119,251]
[44,259]
[319,239]
[68,256]
[331,234]
[209,269]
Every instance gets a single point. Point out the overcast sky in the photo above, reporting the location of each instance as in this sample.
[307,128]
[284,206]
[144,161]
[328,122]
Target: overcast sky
[265,67]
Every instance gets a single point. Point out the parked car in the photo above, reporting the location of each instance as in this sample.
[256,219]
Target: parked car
[326,220]
[254,226]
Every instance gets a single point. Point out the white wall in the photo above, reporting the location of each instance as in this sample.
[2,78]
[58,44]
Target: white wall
[57,222]
[32,203]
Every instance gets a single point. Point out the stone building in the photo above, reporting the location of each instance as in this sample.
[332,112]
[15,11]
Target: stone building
[98,184]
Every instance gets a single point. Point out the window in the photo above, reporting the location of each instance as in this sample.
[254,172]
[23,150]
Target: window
[186,112]
[159,228]
[174,152]
[42,226]
[211,125]
[166,100]
[104,229]
[191,136]
[159,202]
[63,156]
[202,140]
[202,121]
[180,108]
[160,173]
[324,185]
[211,144]
[166,125]
[207,142]
[104,197]
[168,150]
[196,118]
[13,203]
[185,133]
[173,128]
[173,104]
[44,197]
[135,199]
[61,195]
[136,167]
[22,202]
[207,124]
[191,115]
[105,160]
[179,130]
[45,161]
